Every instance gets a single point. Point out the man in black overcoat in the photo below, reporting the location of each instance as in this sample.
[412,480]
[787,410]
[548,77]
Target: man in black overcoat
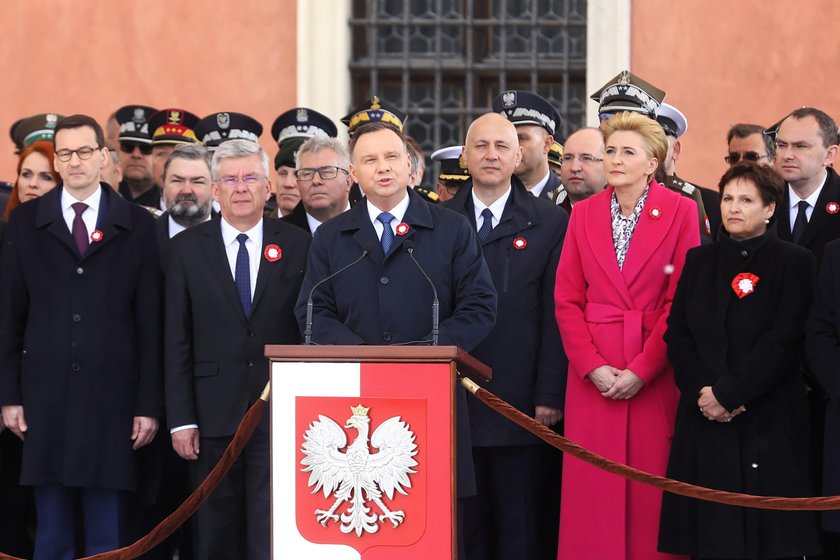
[521,244]
[80,345]
[231,287]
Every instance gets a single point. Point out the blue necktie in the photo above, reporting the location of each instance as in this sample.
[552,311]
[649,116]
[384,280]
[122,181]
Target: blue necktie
[486,225]
[243,275]
[387,233]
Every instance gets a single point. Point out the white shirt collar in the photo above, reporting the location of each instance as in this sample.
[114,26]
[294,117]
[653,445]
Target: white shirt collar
[229,233]
[397,211]
[93,200]
[811,200]
[538,188]
[496,208]
[314,223]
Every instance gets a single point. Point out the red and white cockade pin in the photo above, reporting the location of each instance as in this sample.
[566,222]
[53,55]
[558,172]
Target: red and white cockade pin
[402,228]
[96,236]
[832,207]
[744,284]
[273,253]
[519,243]
[654,213]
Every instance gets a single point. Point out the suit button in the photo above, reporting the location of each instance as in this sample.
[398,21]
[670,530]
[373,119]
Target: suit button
[76,367]
[745,254]
[77,318]
[80,270]
[386,336]
[250,363]
[384,280]
[250,332]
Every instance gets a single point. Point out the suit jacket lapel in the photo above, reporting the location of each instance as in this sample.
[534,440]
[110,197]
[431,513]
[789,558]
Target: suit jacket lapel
[214,249]
[271,235]
[783,217]
[358,222]
[651,230]
[820,218]
[416,215]
[114,214]
[49,216]
[599,236]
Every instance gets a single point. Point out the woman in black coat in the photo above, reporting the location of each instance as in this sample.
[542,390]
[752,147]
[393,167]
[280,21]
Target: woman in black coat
[735,338]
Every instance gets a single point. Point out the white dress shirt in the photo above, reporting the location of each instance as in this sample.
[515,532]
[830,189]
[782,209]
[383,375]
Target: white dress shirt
[496,209]
[90,214]
[538,188]
[811,200]
[397,212]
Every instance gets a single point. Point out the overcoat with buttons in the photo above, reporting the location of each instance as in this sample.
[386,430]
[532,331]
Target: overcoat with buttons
[750,351]
[80,340]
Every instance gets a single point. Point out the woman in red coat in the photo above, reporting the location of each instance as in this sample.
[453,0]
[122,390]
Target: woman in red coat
[623,254]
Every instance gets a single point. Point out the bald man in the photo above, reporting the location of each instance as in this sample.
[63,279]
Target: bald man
[582,173]
[521,237]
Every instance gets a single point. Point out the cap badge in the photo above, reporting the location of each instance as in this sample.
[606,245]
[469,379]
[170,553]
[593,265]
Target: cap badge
[374,102]
[302,115]
[223,120]
[402,228]
[744,284]
[139,116]
[832,207]
[174,117]
[625,78]
[273,253]
[52,120]
[509,98]
[519,243]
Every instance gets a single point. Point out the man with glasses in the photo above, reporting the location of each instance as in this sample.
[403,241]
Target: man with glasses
[748,142]
[582,173]
[80,365]
[231,286]
[135,143]
[323,181]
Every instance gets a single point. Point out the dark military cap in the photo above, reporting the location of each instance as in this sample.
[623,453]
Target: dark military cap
[525,107]
[288,152]
[672,120]
[452,166]
[37,127]
[302,122]
[628,92]
[375,110]
[134,123]
[214,129]
[173,126]
[555,153]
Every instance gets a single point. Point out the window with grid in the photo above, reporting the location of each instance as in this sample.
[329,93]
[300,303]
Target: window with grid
[443,61]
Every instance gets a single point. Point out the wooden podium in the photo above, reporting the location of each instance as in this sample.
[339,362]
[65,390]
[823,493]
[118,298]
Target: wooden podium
[363,450]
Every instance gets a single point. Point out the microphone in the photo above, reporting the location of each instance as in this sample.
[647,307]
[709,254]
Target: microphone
[307,332]
[408,245]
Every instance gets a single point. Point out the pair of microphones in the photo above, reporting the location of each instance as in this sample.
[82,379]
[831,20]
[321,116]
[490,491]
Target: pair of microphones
[408,247]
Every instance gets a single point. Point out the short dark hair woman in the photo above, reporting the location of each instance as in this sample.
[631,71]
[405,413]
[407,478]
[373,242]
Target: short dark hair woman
[735,338]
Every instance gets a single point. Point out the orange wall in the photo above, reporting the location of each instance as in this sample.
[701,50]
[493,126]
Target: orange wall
[93,56]
[724,62]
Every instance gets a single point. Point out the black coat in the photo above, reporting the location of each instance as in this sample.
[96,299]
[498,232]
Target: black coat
[822,227]
[750,352]
[80,340]
[524,348]
[551,185]
[297,217]
[823,348]
[215,365]
[711,203]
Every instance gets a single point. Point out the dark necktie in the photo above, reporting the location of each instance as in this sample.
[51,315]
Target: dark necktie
[243,275]
[486,225]
[80,232]
[387,234]
[801,221]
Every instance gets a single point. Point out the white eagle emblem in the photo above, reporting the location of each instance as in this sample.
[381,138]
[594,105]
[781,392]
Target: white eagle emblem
[509,98]
[223,120]
[358,476]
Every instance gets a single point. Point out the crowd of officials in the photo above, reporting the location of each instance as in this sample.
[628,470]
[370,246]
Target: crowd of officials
[688,332]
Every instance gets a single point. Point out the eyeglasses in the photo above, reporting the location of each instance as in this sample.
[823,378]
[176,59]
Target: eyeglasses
[735,157]
[584,158]
[128,147]
[85,152]
[325,172]
[248,180]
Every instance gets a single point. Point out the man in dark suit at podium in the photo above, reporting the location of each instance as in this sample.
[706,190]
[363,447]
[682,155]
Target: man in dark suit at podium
[369,303]
[231,286]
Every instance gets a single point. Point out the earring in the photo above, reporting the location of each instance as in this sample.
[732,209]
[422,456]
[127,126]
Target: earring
[766,221]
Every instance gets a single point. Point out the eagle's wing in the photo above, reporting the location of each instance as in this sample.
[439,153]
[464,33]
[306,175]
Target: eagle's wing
[391,466]
[323,460]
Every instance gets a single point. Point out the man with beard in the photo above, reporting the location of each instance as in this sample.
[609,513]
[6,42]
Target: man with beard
[186,191]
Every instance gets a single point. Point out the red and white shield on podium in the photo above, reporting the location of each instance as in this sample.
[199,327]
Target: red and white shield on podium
[362,460]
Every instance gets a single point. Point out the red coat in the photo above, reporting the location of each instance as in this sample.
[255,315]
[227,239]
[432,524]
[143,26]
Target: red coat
[617,317]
